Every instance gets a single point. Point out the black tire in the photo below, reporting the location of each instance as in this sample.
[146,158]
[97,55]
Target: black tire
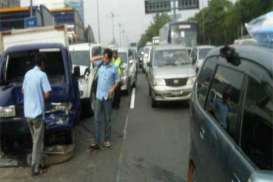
[135,82]
[191,176]
[154,103]
[92,102]
[129,88]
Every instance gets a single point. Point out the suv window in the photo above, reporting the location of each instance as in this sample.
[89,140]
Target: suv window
[258,120]
[204,79]
[224,99]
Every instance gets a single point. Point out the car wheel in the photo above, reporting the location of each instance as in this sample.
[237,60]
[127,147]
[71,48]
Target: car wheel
[154,103]
[129,88]
[135,82]
[92,102]
[191,176]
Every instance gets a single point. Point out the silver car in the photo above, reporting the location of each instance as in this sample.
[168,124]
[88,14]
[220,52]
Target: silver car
[171,74]
[129,70]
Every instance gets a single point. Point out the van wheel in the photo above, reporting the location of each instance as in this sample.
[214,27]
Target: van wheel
[191,176]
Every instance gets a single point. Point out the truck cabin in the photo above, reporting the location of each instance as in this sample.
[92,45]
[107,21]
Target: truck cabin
[61,110]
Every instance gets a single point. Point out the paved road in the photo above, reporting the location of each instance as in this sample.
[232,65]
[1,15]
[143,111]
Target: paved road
[148,145]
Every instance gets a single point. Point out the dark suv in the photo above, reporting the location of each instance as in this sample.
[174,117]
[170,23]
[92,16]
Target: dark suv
[232,117]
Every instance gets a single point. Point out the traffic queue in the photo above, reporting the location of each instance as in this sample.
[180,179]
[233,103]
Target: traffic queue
[71,79]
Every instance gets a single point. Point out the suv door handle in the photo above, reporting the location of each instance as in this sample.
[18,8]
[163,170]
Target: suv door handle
[235,178]
[202,133]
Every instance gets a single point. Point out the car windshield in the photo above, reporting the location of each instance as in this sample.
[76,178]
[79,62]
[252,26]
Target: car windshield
[203,52]
[81,58]
[54,66]
[123,56]
[171,57]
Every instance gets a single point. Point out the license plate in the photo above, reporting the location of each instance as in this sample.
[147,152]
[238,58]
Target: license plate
[177,93]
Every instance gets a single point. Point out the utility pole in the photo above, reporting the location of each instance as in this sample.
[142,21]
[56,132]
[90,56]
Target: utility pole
[30,8]
[113,26]
[174,7]
[98,21]
[120,34]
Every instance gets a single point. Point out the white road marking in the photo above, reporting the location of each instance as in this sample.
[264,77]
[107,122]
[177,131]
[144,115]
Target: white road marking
[118,177]
[133,98]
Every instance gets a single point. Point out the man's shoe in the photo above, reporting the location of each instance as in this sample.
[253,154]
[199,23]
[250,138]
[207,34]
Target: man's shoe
[107,144]
[94,147]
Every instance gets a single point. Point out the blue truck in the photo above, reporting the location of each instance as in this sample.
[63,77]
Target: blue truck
[62,108]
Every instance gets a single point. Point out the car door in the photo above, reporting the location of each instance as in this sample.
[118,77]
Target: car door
[200,155]
[223,108]
[256,152]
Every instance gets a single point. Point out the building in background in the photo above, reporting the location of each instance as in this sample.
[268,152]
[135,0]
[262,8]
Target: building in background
[71,18]
[77,5]
[15,17]
[9,3]
[58,4]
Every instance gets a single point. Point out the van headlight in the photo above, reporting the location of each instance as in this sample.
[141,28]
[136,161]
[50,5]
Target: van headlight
[62,106]
[7,111]
[191,81]
[159,82]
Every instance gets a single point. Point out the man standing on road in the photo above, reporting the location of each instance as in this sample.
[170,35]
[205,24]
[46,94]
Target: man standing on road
[108,80]
[36,89]
[117,61]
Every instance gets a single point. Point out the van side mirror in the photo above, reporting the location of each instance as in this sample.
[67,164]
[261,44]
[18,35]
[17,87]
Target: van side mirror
[77,72]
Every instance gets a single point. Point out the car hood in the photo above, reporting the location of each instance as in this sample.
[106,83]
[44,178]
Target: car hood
[166,72]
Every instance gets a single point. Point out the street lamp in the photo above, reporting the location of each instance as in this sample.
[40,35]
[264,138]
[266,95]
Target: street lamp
[113,26]
[98,21]
[120,31]
[30,9]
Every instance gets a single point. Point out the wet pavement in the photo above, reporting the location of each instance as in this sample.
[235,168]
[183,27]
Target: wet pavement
[148,145]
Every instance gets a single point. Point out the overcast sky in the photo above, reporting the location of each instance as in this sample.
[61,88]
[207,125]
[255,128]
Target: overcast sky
[129,13]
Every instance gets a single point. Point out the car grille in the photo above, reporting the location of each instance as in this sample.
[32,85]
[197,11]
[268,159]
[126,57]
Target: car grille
[176,82]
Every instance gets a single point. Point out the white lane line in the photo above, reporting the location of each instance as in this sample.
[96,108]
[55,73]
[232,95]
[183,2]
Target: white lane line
[121,154]
[133,98]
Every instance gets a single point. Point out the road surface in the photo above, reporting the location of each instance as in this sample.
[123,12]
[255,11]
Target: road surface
[148,145]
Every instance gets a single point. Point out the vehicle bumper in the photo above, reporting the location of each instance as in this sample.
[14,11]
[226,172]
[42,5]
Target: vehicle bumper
[163,93]
[15,139]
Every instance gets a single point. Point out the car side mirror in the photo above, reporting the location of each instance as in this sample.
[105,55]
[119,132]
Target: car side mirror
[131,61]
[77,72]
[87,72]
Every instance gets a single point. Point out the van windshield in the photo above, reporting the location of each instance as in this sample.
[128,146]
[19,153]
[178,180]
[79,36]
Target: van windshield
[171,58]
[81,58]
[18,63]
[203,53]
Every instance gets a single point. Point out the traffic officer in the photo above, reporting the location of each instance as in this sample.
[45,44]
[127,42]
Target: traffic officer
[118,62]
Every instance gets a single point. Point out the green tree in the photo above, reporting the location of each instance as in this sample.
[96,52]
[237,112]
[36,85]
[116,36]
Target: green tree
[221,22]
[153,30]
